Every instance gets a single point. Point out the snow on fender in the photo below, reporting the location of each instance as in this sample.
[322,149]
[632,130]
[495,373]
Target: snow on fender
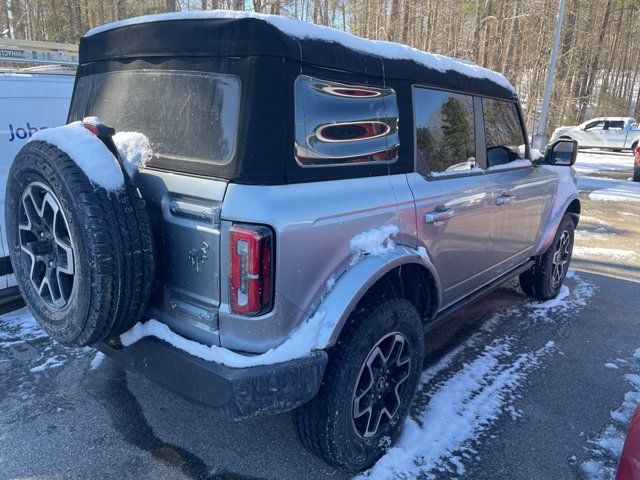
[80,237]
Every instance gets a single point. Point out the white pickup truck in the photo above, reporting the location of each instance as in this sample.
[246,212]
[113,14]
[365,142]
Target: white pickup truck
[616,133]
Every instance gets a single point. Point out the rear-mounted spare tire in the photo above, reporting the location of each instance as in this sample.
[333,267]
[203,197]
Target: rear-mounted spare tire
[82,255]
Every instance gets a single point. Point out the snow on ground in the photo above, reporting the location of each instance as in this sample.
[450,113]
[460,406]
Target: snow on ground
[593,161]
[594,165]
[305,30]
[612,253]
[97,360]
[606,447]
[610,190]
[19,329]
[463,405]
[460,409]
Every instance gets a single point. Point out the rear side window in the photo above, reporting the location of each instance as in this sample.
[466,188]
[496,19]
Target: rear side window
[341,124]
[504,136]
[445,131]
[615,125]
[188,116]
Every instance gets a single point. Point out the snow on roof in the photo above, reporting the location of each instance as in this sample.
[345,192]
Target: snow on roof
[304,30]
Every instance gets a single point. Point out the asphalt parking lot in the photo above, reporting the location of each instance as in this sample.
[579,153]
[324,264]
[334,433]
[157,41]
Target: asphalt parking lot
[511,389]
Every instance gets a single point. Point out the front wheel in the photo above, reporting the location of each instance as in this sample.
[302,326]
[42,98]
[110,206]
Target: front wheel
[544,279]
[371,378]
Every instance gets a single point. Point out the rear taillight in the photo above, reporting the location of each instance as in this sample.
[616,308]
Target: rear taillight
[250,269]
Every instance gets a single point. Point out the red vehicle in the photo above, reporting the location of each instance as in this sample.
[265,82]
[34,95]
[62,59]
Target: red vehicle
[636,165]
[629,467]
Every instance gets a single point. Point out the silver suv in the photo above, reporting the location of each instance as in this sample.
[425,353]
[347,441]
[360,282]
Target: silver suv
[314,205]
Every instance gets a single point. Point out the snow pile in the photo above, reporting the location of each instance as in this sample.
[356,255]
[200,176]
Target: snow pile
[609,190]
[554,302]
[87,151]
[97,360]
[456,171]
[19,328]
[134,149]
[93,157]
[536,154]
[607,446]
[374,242]
[521,163]
[566,300]
[311,335]
[305,30]
[459,410]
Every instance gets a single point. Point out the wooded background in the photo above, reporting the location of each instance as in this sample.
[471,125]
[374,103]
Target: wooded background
[598,70]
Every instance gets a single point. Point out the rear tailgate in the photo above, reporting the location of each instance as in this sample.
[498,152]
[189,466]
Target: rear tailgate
[185,211]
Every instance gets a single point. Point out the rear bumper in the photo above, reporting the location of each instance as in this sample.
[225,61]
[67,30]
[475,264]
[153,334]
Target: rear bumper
[236,393]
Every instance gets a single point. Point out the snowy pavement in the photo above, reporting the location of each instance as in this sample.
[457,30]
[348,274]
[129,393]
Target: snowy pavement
[511,389]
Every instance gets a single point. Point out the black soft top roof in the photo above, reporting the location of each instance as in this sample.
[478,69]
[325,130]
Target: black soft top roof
[173,35]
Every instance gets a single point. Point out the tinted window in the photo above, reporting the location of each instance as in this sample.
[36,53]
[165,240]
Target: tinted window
[504,136]
[615,125]
[338,124]
[186,115]
[445,131]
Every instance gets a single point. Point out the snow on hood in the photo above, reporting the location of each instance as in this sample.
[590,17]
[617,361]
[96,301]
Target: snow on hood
[304,30]
[87,151]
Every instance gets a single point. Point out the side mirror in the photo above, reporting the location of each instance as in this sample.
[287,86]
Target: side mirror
[562,153]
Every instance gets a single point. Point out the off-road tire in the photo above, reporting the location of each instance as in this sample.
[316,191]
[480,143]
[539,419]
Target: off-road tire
[325,425]
[112,248]
[538,281]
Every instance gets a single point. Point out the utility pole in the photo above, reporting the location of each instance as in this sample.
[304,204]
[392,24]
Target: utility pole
[540,139]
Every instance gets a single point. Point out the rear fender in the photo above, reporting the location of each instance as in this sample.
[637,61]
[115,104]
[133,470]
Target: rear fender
[352,285]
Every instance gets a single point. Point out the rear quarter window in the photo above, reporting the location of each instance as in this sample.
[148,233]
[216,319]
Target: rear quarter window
[340,124]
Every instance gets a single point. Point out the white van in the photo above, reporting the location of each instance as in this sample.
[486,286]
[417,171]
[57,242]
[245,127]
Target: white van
[30,99]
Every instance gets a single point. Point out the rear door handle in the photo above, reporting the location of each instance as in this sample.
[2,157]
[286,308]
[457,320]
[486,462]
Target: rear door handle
[439,216]
[505,199]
